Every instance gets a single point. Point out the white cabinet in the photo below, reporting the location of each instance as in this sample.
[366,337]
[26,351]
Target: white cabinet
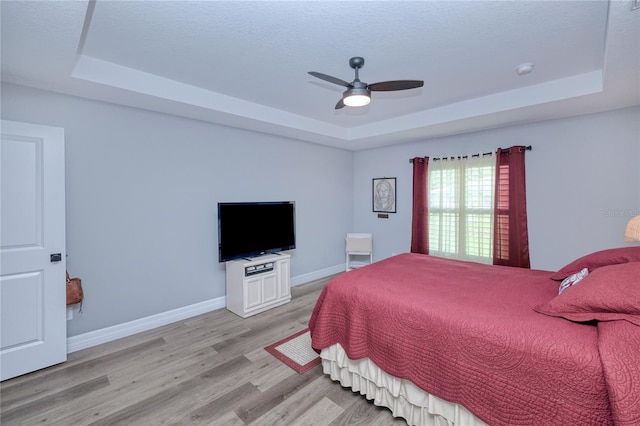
[258,284]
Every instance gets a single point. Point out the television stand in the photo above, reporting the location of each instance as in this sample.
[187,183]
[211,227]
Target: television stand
[258,284]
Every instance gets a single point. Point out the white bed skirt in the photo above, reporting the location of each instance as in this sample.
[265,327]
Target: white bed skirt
[401,396]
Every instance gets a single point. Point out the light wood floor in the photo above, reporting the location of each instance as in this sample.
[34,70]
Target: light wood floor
[210,369]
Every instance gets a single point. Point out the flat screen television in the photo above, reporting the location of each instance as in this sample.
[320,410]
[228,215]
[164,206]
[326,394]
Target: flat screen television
[252,229]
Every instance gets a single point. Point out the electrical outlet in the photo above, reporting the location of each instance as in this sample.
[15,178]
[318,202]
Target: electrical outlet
[69,313]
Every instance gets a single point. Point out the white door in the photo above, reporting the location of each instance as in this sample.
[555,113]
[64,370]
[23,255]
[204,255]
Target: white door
[33,329]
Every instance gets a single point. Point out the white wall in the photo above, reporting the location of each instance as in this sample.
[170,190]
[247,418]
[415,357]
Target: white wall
[142,191]
[583,183]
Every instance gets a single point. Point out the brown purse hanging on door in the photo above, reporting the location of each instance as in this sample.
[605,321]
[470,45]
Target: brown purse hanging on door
[74,291]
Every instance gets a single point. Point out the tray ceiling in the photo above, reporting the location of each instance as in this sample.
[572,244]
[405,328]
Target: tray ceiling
[244,64]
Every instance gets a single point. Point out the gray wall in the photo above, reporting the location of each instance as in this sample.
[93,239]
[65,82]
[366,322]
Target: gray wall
[583,183]
[142,191]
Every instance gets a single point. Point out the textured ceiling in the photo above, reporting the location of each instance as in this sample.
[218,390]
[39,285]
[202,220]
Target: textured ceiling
[245,64]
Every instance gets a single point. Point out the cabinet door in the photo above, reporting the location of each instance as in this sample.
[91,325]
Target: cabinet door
[284,287]
[270,288]
[253,292]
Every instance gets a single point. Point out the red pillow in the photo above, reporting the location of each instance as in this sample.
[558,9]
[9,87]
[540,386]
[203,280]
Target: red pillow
[608,293]
[597,259]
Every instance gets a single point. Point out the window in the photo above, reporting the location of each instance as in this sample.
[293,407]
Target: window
[461,208]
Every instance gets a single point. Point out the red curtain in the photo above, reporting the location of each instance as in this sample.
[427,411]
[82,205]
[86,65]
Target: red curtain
[510,234]
[419,224]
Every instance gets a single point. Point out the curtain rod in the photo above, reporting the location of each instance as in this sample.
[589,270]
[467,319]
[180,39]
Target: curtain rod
[526,148]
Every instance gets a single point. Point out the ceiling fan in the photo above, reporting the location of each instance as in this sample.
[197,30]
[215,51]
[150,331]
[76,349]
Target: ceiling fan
[358,93]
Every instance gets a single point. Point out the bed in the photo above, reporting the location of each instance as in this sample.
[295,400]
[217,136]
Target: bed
[441,341]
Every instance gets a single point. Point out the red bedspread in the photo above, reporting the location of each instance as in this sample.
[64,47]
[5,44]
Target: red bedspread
[619,345]
[467,333]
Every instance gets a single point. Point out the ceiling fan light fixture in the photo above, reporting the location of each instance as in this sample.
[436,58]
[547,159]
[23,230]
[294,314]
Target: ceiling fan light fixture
[358,93]
[356,97]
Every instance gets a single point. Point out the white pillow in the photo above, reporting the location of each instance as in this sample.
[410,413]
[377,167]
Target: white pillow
[572,280]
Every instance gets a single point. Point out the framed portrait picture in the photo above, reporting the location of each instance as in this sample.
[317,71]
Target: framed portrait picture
[384,195]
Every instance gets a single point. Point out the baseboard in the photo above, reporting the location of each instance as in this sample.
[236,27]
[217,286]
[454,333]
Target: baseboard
[316,275]
[104,335]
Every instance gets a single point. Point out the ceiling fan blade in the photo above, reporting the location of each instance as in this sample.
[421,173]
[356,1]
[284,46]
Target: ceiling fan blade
[387,86]
[330,79]
[340,104]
